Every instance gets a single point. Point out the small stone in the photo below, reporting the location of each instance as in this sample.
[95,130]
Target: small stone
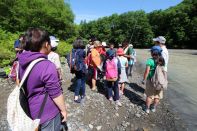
[116,108]
[138,115]
[117,114]
[91,126]
[98,128]
[87,97]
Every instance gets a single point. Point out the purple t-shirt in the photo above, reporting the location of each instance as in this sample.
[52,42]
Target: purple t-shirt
[42,78]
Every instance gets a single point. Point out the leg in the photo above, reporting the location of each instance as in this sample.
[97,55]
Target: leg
[127,71]
[78,85]
[52,125]
[83,82]
[109,89]
[93,84]
[156,102]
[122,87]
[130,70]
[116,91]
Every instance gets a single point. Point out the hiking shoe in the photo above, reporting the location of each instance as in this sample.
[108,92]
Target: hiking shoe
[118,103]
[78,100]
[147,110]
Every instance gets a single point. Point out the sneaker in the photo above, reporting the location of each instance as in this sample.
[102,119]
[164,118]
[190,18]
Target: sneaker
[78,100]
[153,109]
[147,110]
[118,103]
[110,99]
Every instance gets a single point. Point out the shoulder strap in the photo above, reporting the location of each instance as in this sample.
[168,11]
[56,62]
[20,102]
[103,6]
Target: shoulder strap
[31,65]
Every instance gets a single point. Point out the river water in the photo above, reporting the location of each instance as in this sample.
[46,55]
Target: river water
[182,88]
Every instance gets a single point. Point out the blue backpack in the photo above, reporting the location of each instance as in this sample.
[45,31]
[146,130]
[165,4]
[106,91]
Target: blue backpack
[71,60]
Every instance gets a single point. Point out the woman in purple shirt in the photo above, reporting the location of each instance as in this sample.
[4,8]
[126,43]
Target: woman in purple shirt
[42,79]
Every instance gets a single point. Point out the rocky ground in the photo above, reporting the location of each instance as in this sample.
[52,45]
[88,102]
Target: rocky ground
[97,113]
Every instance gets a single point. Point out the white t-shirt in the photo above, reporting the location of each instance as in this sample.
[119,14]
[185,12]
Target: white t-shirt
[165,55]
[54,57]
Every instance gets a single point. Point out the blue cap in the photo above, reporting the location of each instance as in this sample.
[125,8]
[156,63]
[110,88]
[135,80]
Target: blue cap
[110,53]
[156,49]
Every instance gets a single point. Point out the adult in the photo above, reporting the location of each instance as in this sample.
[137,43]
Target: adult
[81,70]
[17,43]
[42,80]
[128,50]
[160,41]
[53,56]
[95,63]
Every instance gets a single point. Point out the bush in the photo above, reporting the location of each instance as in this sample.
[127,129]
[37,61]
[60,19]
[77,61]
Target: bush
[63,48]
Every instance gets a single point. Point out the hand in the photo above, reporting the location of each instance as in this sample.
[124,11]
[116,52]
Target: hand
[64,115]
[143,82]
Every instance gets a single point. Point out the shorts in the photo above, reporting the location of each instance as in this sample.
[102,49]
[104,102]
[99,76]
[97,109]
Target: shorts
[151,92]
[92,72]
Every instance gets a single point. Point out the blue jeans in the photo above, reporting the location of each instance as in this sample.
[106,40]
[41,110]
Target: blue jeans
[112,86]
[80,83]
[129,70]
[52,125]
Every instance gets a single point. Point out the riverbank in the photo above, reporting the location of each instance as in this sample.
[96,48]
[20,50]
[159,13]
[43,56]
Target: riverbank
[97,113]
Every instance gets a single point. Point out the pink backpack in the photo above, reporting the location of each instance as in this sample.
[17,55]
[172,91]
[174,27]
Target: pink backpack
[111,70]
[14,71]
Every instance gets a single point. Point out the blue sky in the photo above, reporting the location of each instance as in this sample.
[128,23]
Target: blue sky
[94,9]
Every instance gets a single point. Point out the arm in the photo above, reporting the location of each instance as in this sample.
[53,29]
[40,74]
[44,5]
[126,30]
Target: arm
[59,101]
[53,87]
[146,73]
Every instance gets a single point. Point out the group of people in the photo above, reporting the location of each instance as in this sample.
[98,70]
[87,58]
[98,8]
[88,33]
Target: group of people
[88,63]
[95,62]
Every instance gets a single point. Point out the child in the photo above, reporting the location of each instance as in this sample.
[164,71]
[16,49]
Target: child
[123,76]
[152,94]
[54,57]
[112,69]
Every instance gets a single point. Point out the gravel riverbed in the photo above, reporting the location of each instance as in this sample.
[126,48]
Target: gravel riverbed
[97,113]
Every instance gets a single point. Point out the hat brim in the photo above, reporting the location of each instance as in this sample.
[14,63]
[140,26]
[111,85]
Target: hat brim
[120,53]
[155,39]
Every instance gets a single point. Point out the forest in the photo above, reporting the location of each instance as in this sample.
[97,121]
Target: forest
[178,24]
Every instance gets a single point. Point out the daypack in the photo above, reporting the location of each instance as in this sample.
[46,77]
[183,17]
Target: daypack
[14,70]
[111,72]
[18,115]
[71,60]
[159,79]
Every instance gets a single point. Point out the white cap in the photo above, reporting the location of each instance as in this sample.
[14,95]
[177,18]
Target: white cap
[54,41]
[104,44]
[160,39]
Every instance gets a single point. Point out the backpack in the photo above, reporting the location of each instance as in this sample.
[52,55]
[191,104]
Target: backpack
[111,70]
[159,78]
[71,60]
[14,70]
[18,115]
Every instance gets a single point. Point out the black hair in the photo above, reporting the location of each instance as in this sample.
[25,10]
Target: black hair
[79,44]
[53,48]
[35,38]
[160,61]
[112,42]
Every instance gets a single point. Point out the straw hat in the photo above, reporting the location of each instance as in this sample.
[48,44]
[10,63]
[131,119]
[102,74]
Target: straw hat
[97,43]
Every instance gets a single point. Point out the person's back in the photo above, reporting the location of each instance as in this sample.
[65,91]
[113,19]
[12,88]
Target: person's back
[165,55]
[42,80]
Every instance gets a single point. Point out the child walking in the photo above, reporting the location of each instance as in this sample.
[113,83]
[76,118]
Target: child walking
[153,95]
[123,76]
[112,69]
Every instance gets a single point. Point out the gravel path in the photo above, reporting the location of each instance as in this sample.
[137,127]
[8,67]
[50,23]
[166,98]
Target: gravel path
[97,113]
